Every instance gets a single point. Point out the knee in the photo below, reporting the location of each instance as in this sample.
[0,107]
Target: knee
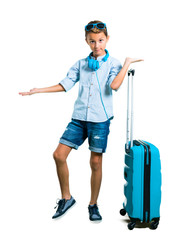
[59,158]
[96,163]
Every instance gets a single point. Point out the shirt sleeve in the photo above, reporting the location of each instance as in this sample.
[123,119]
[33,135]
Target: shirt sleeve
[72,77]
[115,69]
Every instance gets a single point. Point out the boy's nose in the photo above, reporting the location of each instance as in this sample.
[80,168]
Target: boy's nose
[96,44]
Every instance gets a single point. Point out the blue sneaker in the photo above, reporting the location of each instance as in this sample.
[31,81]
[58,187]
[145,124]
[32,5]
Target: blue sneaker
[62,206]
[94,214]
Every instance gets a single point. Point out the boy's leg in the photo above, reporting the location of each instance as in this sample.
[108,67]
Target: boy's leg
[96,176]
[60,155]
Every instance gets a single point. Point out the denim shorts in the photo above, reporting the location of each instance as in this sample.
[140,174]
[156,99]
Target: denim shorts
[77,131]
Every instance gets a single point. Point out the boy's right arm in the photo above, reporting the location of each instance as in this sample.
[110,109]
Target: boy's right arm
[56,88]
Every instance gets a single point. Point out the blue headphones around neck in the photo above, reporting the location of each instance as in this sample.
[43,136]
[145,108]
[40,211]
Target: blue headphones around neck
[95,64]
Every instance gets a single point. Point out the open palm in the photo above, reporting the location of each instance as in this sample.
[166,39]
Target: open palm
[32,91]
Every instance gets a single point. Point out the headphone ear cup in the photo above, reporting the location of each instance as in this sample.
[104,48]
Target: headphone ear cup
[89,63]
[93,64]
[96,65]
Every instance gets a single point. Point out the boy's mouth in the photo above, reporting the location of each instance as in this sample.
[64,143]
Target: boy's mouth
[96,50]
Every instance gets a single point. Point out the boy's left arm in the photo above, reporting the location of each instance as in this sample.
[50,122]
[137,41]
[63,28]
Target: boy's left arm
[116,83]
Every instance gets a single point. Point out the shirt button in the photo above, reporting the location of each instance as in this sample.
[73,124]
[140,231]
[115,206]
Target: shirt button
[88,107]
[91,83]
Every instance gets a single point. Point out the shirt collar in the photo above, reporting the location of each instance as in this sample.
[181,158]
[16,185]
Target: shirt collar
[99,58]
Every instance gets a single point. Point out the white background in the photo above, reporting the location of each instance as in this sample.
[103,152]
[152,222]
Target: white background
[39,42]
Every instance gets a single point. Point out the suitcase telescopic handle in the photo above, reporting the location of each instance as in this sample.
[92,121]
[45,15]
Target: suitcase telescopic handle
[129,122]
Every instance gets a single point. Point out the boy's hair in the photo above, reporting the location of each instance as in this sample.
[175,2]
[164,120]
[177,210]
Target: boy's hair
[95,29]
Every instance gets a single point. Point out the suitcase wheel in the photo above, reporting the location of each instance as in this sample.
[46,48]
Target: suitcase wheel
[154,225]
[123,212]
[131,225]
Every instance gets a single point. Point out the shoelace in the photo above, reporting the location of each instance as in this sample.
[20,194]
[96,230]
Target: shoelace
[60,204]
[94,210]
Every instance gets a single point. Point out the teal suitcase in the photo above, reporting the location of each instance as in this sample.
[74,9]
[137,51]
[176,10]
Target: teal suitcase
[142,173]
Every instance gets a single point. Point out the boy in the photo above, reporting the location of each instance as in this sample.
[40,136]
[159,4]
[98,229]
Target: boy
[98,75]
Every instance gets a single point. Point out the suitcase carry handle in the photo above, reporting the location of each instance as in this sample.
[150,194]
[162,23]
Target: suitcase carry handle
[131,71]
[129,124]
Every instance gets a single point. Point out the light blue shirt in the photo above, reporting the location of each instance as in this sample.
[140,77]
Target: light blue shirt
[88,106]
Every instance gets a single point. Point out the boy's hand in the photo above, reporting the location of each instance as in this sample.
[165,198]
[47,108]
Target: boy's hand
[32,91]
[132,60]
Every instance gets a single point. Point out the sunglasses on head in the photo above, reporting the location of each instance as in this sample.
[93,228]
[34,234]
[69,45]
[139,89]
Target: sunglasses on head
[99,25]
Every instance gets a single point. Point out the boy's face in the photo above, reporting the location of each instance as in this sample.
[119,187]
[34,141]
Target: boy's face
[97,43]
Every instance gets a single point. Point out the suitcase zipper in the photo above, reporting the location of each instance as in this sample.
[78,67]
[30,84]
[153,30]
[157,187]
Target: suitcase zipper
[147,171]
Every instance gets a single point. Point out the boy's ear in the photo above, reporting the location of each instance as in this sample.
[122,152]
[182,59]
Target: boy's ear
[86,40]
[108,38]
